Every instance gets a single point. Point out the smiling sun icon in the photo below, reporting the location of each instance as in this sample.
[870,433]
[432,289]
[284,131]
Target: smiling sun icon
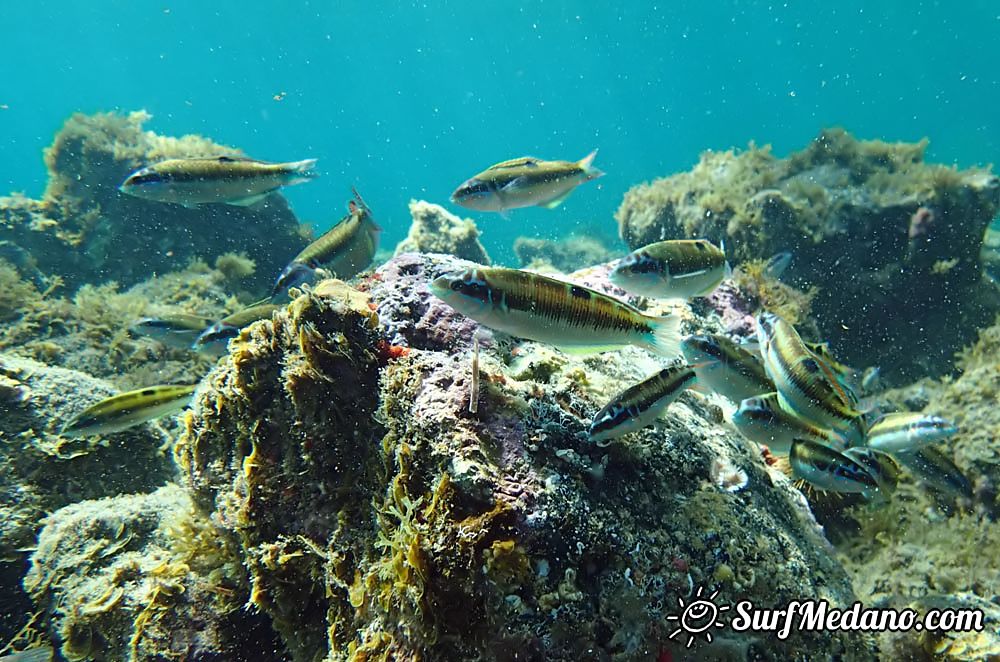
[698,617]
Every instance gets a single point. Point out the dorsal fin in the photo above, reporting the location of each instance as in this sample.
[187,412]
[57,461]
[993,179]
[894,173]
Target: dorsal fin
[521,162]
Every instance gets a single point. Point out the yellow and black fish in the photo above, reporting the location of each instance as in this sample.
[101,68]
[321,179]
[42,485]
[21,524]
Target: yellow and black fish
[727,368]
[762,419]
[525,182]
[678,268]
[223,179]
[569,316]
[177,330]
[905,431]
[215,338]
[344,250]
[640,405]
[829,469]
[806,385]
[127,410]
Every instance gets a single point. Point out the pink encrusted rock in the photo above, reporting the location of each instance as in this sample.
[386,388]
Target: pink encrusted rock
[733,309]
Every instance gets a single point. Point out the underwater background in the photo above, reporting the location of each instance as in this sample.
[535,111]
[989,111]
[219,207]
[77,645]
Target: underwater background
[295,412]
[405,100]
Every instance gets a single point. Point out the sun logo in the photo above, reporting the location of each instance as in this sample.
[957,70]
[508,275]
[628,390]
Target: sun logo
[698,617]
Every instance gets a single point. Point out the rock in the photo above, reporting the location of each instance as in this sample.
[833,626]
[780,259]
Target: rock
[84,230]
[379,518]
[566,255]
[436,230]
[891,243]
[142,577]
[41,471]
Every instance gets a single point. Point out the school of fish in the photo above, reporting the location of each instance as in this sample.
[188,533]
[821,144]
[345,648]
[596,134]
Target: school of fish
[791,396]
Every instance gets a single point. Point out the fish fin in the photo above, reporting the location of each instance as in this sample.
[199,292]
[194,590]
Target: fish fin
[250,200]
[665,338]
[513,184]
[729,271]
[700,272]
[306,169]
[587,165]
[555,202]
[578,350]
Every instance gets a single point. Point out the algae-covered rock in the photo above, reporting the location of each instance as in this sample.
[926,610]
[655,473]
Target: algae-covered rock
[381,519]
[41,471]
[142,577]
[436,230]
[85,230]
[891,243]
[566,255]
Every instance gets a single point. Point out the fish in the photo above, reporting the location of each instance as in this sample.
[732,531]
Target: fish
[177,330]
[906,431]
[126,410]
[35,654]
[673,269]
[882,467]
[777,265]
[931,465]
[828,469]
[762,419]
[227,180]
[215,339]
[806,385]
[569,316]
[343,250]
[640,405]
[725,367]
[525,182]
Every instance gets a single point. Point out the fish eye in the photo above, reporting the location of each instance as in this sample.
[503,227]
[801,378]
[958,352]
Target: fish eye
[456,285]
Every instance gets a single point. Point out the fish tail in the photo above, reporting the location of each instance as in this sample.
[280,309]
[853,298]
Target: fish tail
[587,164]
[665,337]
[302,171]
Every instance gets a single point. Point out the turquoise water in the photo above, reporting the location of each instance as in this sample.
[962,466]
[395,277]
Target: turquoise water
[409,99]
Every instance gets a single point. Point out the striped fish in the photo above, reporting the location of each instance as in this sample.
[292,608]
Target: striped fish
[344,250]
[726,368]
[569,316]
[829,469]
[215,339]
[806,386]
[229,180]
[176,330]
[763,420]
[931,465]
[905,431]
[127,410]
[678,268]
[640,405]
[882,467]
[525,182]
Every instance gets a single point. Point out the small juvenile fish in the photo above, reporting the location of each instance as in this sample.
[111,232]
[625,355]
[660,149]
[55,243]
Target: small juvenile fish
[777,265]
[882,467]
[640,405]
[556,312]
[215,338]
[806,385]
[829,469]
[525,182]
[678,268]
[763,420]
[905,431]
[176,330]
[344,250]
[127,410]
[725,367]
[932,466]
[224,179]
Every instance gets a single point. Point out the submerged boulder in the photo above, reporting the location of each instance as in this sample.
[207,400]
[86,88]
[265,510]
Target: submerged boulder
[891,244]
[381,518]
[436,230]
